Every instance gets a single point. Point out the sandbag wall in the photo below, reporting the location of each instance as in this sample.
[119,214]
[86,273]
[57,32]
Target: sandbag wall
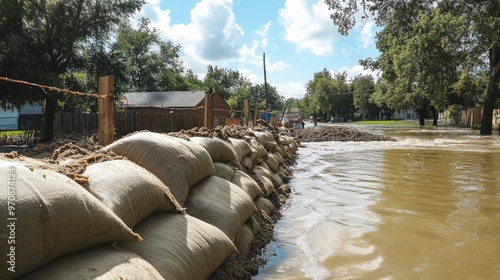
[174,209]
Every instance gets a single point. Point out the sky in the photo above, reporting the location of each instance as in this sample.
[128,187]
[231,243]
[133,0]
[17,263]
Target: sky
[297,37]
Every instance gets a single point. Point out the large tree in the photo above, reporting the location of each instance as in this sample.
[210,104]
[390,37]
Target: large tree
[481,18]
[363,87]
[43,40]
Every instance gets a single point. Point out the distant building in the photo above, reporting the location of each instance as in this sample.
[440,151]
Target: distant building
[180,102]
[9,117]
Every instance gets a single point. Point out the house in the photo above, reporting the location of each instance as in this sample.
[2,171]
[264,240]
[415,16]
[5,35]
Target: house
[180,102]
[9,117]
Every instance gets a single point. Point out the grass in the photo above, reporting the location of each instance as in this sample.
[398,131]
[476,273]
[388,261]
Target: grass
[389,122]
[11,132]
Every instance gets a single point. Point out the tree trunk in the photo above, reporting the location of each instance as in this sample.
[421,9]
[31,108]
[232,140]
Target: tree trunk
[421,116]
[434,116]
[49,118]
[492,93]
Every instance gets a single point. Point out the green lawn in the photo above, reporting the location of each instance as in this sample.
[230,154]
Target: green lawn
[11,132]
[389,122]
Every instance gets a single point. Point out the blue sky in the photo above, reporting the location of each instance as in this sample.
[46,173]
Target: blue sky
[297,37]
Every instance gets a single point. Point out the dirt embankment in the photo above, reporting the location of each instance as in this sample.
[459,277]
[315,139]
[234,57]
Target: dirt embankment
[337,133]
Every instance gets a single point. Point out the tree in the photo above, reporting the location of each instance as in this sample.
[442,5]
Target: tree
[44,42]
[481,18]
[224,81]
[363,87]
[147,62]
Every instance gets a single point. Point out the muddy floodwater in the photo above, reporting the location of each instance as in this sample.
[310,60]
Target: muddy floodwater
[426,206]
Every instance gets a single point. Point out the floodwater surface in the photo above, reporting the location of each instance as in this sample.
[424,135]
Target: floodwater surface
[426,206]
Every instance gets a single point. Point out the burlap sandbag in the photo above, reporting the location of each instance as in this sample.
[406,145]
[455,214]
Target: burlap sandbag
[261,151]
[279,158]
[275,178]
[266,183]
[102,262]
[129,190]
[224,170]
[55,217]
[263,137]
[240,147]
[265,204]
[180,247]
[247,164]
[243,241]
[271,145]
[178,163]
[220,203]
[219,150]
[247,183]
[272,162]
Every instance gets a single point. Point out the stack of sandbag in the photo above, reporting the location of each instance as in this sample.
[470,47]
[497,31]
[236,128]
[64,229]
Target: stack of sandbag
[178,163]
[49,216]
[180,247]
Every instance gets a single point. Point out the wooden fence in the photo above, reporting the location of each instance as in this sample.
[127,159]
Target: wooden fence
[128,122]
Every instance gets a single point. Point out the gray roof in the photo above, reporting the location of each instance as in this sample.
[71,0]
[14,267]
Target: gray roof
[164,99]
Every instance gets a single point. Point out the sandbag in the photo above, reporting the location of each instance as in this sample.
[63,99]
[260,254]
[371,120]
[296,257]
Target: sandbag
[263,137]
[275,179]
[104,262]
[261,151]
[265,183]
[243,241]
[265,204]
[129,190]
[270,146]
[218,149]
[272,162]
[240,147]
[180,247]
[178,163]
[220,203]
[247,164]
[224,170]
[247,183]
[279,158]
[55,217]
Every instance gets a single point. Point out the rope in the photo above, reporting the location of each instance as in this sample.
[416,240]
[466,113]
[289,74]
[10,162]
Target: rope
[51,88]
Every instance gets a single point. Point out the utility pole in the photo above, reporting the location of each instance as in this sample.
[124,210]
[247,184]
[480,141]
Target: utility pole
[265,81]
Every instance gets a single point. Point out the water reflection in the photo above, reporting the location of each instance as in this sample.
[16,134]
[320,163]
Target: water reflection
[427,206]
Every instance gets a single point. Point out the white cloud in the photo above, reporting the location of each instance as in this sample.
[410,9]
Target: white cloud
[367,35]
[308,25]
[291,90]
[355,71]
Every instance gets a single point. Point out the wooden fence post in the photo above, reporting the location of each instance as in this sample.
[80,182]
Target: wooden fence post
[106,111]
[208,116]
[245,112]
[256,113]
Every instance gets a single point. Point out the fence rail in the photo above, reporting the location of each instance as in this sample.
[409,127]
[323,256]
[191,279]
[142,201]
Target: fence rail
[128,122]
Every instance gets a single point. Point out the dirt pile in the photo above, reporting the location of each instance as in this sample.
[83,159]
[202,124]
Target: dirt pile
[337,133]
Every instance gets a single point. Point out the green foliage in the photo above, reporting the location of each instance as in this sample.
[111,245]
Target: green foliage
[431,50]
[328,96]
[363,87]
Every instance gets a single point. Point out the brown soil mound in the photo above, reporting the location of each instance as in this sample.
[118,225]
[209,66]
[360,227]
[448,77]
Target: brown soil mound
[337,133]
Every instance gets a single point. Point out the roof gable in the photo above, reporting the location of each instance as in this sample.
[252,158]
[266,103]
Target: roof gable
[164,99]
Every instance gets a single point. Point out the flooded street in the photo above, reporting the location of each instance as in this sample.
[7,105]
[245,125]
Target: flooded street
[426,206]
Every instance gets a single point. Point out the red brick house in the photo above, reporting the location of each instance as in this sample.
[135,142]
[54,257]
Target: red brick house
[180,102]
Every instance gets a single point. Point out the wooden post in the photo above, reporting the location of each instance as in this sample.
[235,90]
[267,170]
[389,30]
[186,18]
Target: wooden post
[106,111]
[208,116]
[256,113]
[245,111]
